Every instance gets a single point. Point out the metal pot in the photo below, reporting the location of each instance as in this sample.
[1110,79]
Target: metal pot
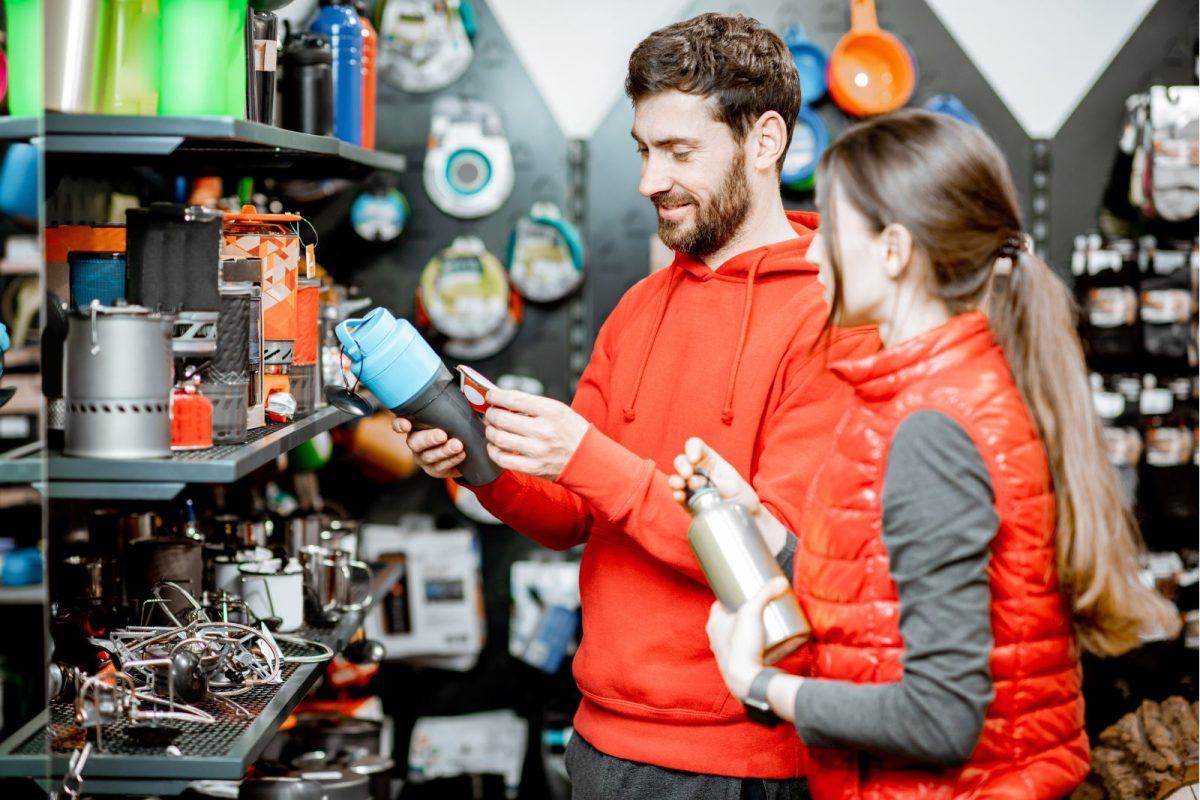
[118,383]
[334,734]
[328,574]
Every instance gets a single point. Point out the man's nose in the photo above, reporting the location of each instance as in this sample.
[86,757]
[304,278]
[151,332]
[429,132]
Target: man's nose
[655,178]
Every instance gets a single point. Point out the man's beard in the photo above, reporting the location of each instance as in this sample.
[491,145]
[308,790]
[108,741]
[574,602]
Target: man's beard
[714,223]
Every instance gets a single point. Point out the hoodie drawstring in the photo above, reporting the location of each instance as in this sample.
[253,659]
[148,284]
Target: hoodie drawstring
[727,410]
[628,412]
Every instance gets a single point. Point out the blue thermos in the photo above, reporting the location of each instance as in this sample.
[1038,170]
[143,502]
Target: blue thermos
[401,369]
[339,21]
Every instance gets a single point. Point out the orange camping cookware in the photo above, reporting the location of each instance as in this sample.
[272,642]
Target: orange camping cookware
[870,70]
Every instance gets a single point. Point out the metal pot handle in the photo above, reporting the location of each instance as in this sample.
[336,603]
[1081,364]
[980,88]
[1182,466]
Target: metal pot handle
[362,567]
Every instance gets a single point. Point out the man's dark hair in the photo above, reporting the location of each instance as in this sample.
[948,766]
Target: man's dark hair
[745,68]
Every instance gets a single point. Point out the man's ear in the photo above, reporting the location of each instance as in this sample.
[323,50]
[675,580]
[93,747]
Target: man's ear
[768,141]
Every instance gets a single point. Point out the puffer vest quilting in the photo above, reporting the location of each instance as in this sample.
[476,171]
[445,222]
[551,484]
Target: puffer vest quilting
[1033,744]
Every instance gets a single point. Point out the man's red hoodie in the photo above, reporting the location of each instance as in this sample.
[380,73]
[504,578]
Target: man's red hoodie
[733,356]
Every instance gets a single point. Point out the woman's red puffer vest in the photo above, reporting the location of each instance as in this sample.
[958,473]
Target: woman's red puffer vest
[1033,744]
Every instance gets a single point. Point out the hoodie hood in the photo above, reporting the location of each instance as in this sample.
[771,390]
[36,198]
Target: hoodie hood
[780,258]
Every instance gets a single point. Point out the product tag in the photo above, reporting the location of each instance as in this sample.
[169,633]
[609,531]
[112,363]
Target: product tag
[1165,306]
[266,52]
[1100,260]
[475,388]
[1168,447]
[1124,446]
[1112,307]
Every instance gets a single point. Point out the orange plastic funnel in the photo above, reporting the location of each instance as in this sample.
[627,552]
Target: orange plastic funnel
[870,70]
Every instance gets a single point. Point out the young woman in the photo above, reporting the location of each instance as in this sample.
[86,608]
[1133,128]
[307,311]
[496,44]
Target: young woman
[965,534]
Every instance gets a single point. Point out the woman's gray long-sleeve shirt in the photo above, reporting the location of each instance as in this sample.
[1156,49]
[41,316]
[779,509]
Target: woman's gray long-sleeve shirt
[939,519]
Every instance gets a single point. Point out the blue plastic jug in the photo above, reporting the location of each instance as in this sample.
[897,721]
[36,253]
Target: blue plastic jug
[339,21]
[403,371]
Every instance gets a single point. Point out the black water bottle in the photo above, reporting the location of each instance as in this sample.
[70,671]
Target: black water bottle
[307,84]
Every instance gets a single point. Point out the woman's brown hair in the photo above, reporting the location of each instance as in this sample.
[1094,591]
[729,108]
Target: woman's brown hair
[948,184]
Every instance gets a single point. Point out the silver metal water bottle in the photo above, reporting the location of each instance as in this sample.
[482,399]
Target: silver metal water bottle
[737,564]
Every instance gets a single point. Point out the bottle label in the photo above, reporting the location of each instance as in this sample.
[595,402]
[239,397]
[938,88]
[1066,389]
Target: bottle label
[266,54]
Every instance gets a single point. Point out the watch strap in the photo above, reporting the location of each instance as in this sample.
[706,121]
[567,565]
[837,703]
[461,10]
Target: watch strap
[757,706]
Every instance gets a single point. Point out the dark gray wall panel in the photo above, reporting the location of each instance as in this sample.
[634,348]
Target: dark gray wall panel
[1161,51]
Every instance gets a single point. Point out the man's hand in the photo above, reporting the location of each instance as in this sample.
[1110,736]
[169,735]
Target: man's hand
[531,434]
[434,451]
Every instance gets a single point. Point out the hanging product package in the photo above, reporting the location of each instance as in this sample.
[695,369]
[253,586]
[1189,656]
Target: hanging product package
[1174,163]
[545,255]
[424,45]
[1166,297]
[468,163]
[435,609]
[465,295]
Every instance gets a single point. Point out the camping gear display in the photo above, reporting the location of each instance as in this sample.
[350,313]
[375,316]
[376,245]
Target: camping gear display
[274,239]
[424,45]
[23,46]
[211,80]
[72,74]
[370,74]
[118,383]
[338,20]
[810,137]
[403,371]
[811,64]
[465,295]
[545,255]
[96,276]
[380,213]
[132,58]
[952,106]
[870,70]
[266,60]
[468,164]
[307,84]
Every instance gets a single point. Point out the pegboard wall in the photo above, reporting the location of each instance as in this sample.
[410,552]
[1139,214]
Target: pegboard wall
[595,182]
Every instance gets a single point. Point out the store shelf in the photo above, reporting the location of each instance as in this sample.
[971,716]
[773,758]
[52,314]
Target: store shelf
[222,751]
[206,141]
[93,477]
[23,595]
[22,465]
[18,268]
[18,129]
[160,478]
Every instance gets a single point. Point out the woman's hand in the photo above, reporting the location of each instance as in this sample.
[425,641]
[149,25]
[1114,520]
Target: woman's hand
[736,638]
[697,455]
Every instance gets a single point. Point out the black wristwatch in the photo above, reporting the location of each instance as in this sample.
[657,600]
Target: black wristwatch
[757,708]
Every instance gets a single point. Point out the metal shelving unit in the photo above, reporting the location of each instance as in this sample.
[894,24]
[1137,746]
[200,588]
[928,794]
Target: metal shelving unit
[17,129]
[22,465]
[23,595]
[162,479]
[208,141]
[222,751]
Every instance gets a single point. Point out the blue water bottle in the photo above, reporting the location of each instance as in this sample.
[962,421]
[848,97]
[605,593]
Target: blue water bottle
[339,21]
[401,369]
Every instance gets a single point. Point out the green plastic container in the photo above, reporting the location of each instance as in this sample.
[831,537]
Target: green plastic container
[133,58]
[24,57]
[235,60]
[198,43]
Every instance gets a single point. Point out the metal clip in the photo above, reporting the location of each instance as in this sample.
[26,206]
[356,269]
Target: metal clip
[72,784]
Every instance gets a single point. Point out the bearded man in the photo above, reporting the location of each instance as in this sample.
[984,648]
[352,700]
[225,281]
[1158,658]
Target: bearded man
[726,345]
